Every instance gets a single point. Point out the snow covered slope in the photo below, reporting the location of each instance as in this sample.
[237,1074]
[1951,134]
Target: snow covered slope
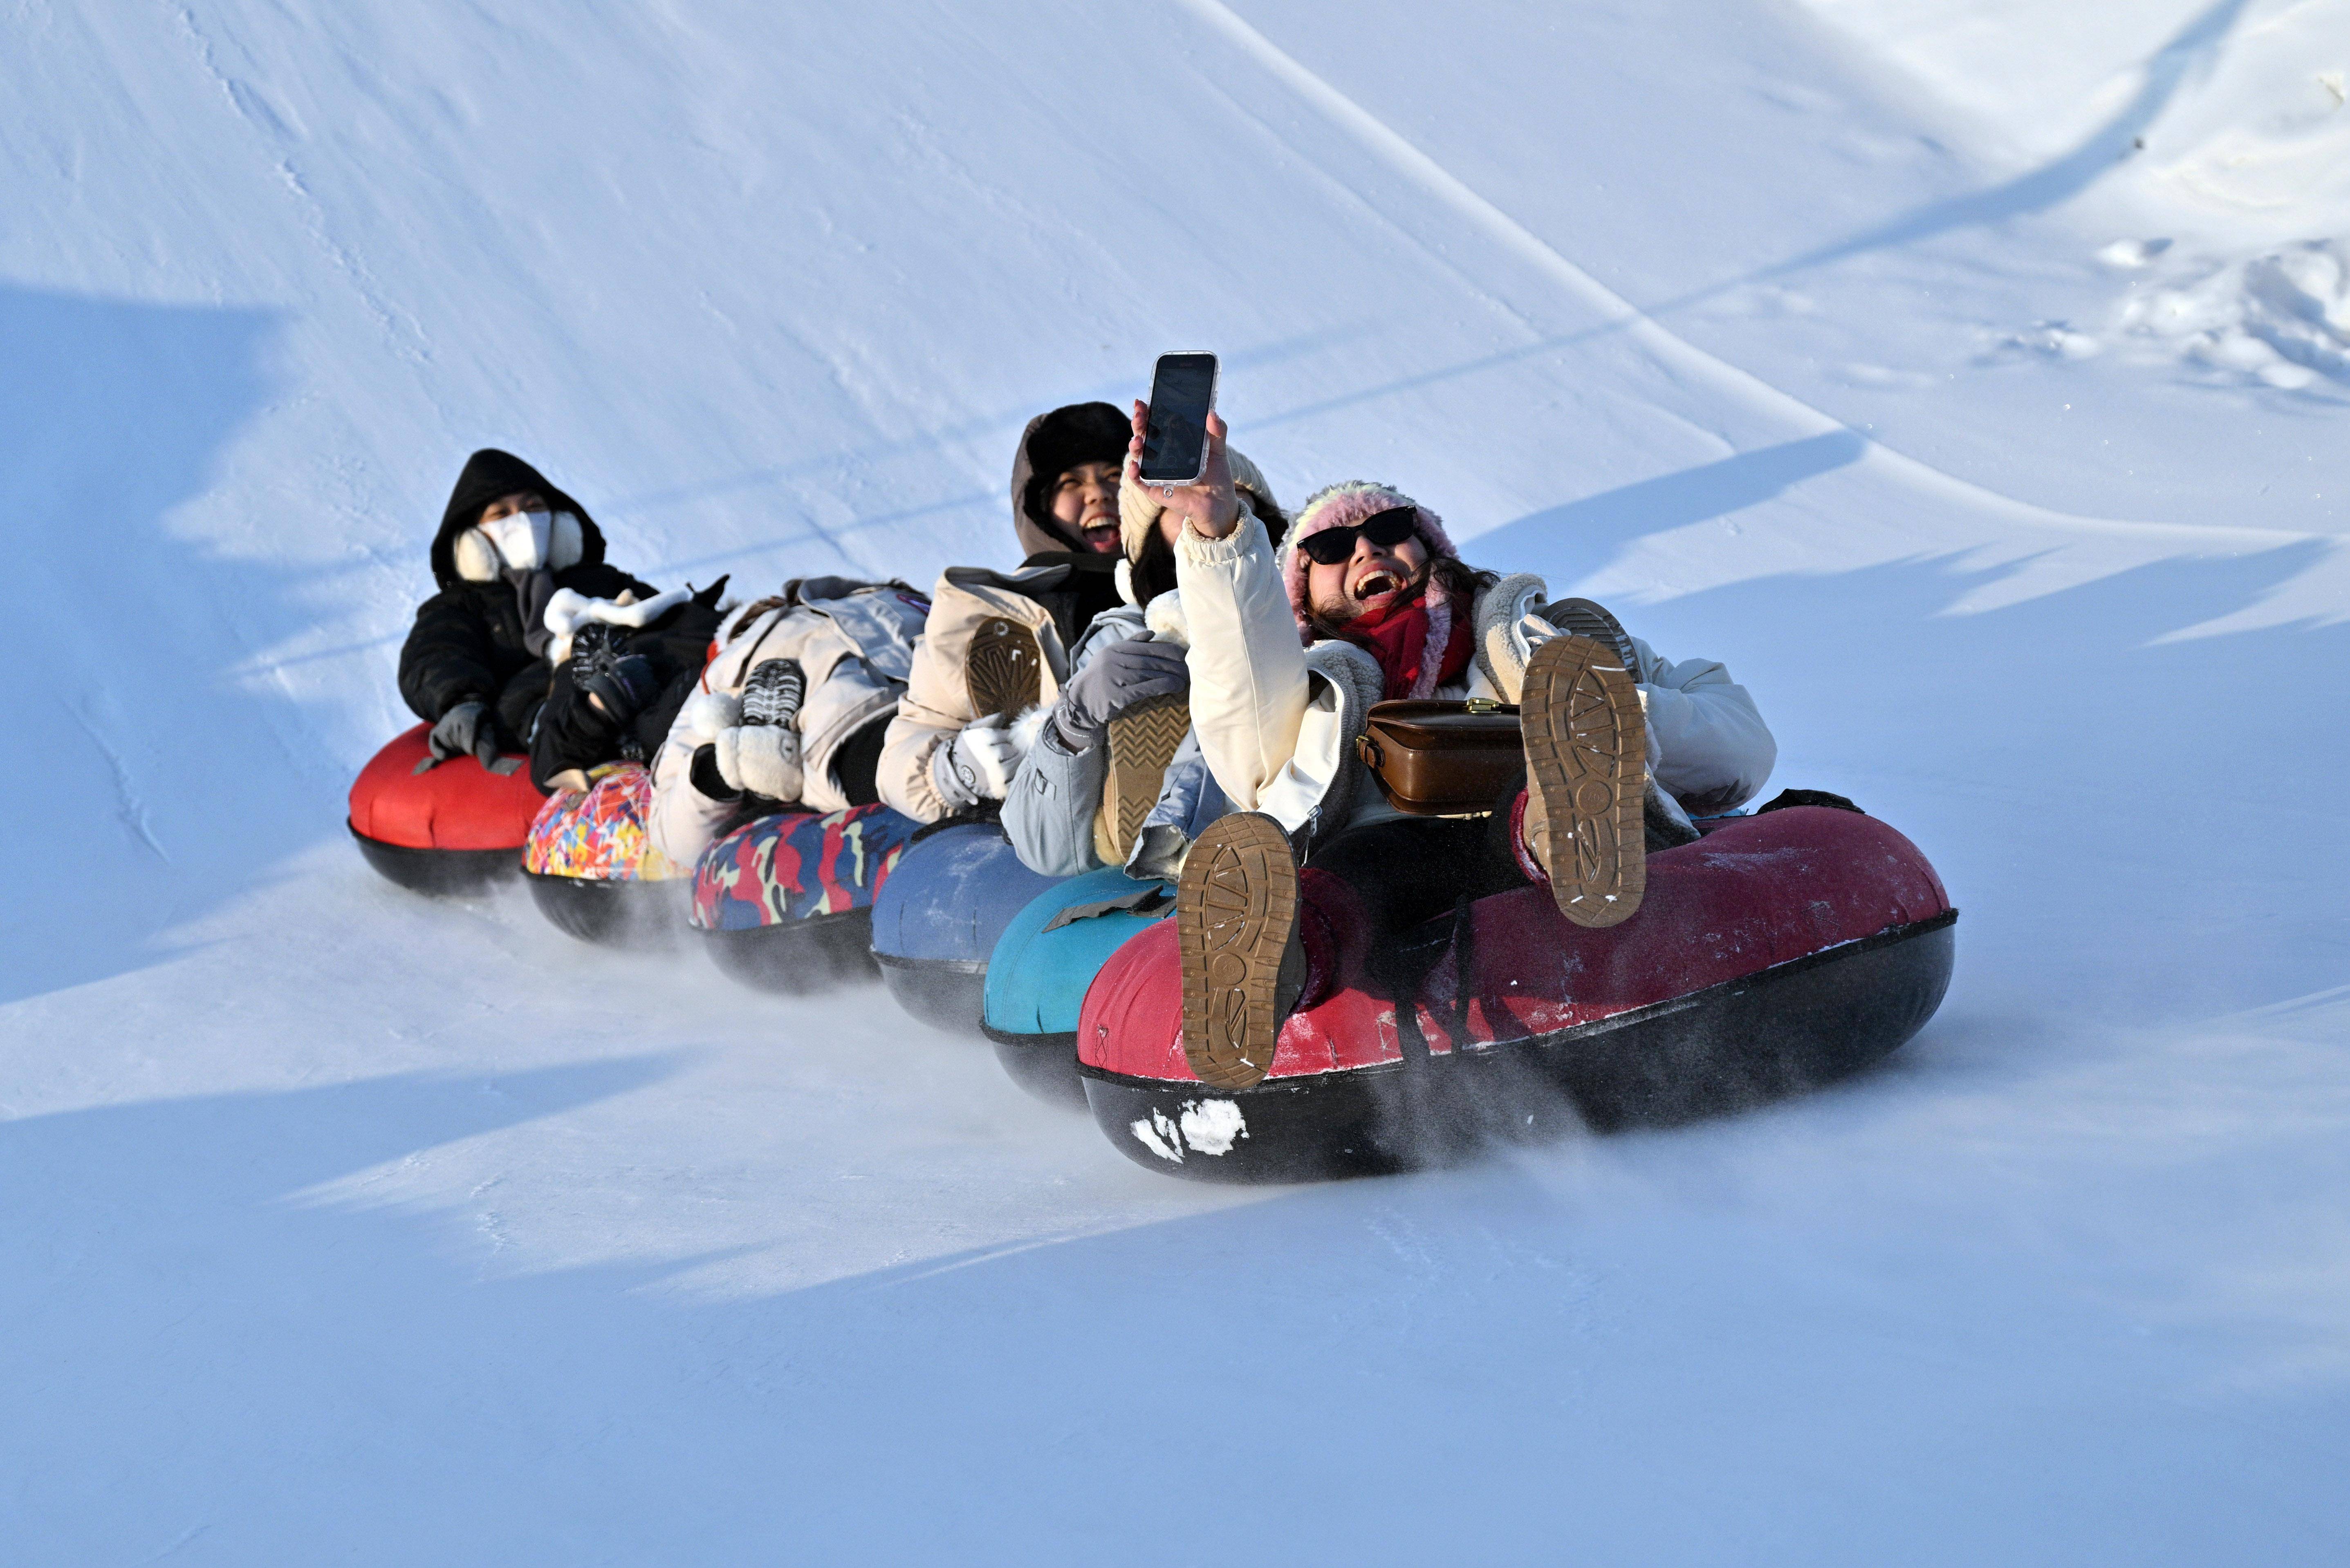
[348,1226]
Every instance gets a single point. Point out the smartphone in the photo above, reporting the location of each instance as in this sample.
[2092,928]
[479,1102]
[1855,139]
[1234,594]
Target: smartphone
[1175,442]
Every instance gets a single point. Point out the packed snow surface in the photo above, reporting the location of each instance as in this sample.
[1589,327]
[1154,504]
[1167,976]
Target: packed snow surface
[1968,374]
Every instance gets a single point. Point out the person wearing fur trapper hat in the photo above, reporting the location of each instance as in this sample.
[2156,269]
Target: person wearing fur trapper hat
[476,664]
[1111,773]
[1065,480]
[1368,601]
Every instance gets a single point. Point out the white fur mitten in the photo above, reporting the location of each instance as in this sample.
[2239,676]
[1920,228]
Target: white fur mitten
[760,759]
[705,713]
[976,764]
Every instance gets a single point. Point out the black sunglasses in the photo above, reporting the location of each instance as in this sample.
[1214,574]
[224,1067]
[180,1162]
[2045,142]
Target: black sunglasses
[1386,530]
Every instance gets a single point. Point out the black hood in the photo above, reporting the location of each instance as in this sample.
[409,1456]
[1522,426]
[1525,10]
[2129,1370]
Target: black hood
[488,474]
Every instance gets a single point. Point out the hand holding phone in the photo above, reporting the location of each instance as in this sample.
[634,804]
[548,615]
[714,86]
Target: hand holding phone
[1173,470]
[1175,441]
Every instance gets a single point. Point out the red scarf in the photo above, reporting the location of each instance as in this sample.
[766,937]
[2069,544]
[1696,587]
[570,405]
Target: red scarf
[1396,636]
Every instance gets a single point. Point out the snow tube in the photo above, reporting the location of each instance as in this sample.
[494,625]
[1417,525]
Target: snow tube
[951,895]
[1047,956]
[1779,951]
[785,902]
[453,828]
[593,871]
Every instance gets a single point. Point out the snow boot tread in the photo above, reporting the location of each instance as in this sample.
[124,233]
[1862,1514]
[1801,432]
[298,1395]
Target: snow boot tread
[774,693]
[1005,670]
[1236,913]
[1142,742]
[1586,754]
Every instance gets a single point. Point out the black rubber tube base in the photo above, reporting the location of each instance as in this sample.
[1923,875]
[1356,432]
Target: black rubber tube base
[639,916]
[1043,1064]
[800,958]
[944,993]
[443,873]
[1795,1026]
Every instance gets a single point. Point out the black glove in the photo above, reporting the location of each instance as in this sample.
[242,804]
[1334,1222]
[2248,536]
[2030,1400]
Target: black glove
[623,689]
[623,684]
[709,780]
[1137,670]
[465,730]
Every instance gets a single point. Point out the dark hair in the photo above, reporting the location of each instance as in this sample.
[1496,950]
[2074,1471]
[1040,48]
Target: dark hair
[1268,512]
[1460,580]
[1153,572]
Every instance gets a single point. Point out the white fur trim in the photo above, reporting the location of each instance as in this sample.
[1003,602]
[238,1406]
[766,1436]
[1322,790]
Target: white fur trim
[707,712]
[569,611]
[1164,616]
[476,558]
[1031,723]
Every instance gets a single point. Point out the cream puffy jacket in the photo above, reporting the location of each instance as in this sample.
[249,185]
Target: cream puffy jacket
[937,704]
[855,644]
[1277,721]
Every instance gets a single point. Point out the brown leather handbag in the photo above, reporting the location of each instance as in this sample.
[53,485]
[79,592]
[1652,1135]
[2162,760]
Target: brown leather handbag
[1443,758]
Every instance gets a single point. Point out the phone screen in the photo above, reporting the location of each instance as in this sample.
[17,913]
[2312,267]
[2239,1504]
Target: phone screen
[1175,443]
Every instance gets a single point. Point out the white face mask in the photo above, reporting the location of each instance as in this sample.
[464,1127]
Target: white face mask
[521,538]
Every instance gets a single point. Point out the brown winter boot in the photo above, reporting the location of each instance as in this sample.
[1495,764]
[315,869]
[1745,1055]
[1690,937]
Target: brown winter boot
[1142,742]
[1236,925]
[1586,774]
[1005,670]
[1587,618]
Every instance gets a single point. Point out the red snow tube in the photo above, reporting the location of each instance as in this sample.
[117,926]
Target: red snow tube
[1781,951]
[452,828]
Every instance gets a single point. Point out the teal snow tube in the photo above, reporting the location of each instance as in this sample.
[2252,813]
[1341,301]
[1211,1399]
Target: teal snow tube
[1037,977]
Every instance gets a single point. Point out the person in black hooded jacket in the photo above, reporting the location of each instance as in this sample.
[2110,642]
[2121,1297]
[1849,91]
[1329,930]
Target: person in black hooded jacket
[475,666]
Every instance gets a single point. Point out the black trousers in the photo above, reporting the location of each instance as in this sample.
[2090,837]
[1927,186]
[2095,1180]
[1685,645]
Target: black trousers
[1409,872]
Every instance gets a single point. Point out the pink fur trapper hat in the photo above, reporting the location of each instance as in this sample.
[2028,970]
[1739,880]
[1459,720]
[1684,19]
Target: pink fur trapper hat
[1344,505]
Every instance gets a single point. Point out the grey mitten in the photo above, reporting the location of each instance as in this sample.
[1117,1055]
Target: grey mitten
[465,731]
[1121,676]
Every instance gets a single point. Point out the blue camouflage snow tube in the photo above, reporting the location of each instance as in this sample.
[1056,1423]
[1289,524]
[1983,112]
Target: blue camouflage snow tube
[1047,956]
[936,921]
[785,902]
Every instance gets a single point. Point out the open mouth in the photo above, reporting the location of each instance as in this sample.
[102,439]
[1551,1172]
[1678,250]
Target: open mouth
[1101,536]
[1376,585]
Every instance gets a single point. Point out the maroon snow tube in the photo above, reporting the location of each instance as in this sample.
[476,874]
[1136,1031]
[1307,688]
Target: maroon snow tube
[1782,951]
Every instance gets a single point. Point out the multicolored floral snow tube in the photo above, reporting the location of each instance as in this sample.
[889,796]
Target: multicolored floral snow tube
[797,866]
[599,836]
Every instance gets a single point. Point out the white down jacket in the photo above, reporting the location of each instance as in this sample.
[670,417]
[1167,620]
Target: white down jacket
[1277,722]
[854,642]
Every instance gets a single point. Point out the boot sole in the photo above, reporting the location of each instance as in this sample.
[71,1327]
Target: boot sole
[1587,752]
[1142,742]
[1235,923]
[774,700]
[1005,670]
[1587,617]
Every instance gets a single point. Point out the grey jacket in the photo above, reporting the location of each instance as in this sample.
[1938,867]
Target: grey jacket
[1049,812]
